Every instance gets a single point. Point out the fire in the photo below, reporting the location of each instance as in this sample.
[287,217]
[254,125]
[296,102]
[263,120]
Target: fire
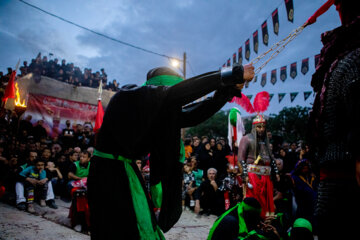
[18,99]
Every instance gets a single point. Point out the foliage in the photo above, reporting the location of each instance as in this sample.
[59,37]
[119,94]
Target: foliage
[216,126]
[289,125]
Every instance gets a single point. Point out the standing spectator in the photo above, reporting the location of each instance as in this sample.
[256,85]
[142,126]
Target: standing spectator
[196,146]
[208,196]
[305,190]
[25,124]
[188,148]
[24,69]
[292,155]
[283,195]
[60,75]
[205,158]
[220,161]
[39,131]
[68,135]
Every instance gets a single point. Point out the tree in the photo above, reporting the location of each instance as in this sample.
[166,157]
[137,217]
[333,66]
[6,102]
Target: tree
[290,124]
[216,126]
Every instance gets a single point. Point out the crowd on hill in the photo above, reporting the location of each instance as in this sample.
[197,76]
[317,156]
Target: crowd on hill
[64,72]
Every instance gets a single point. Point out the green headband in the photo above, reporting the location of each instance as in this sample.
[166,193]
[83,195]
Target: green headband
[249,208]
[164,80]
[302,222]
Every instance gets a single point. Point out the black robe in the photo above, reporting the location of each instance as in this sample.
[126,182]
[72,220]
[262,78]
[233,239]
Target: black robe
[146,120]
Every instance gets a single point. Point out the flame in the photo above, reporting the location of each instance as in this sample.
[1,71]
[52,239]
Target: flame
[18,99]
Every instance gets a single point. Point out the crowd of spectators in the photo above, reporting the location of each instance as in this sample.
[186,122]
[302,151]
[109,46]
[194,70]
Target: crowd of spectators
[38,168]
[64,72]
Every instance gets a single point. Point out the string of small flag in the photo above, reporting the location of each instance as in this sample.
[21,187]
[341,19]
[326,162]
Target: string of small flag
[283,71]
[238,56]
[292,95]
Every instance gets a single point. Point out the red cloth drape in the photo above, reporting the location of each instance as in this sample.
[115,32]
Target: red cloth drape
[262,191]
[99,116]
[319,12]
[10,88]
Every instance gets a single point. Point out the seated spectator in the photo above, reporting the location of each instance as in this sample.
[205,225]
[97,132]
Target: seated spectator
[231,186]
[46,154]
[56,177]
[79,169]
[35,183]
[198,173]
[188,186]
[208,196]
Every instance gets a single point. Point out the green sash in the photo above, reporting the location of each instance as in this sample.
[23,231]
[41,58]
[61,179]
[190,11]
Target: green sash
[141,206]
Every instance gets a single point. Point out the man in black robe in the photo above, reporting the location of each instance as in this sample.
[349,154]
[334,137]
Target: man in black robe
[334,131]
[147,120]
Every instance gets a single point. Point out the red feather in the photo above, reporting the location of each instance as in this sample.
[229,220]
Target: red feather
[261,101]
[244,102]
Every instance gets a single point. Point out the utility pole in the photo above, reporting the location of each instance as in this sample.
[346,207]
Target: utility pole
[184,65]
[184,75]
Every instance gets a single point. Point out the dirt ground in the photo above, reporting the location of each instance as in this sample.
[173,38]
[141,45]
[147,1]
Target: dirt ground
[51,224]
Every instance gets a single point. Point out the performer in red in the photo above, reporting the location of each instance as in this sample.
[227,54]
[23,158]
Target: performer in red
[258,166]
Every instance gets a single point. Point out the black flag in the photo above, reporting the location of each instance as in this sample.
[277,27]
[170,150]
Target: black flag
[265,34]
[307,95]
[263,79]
[293,70]
[270,96]
[283,74]
[240,58]
[234,58]
[255,79]
[228,63]
[275,18]
[256,41]
[281,96]
[273,77]
[249,96]
[305,66]
[247,49]
[317,58]
[293,96]
[290,10]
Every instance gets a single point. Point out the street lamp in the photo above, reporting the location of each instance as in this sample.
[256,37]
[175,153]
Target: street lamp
[176,64]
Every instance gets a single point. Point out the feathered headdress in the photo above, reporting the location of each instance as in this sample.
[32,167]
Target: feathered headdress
[260,104]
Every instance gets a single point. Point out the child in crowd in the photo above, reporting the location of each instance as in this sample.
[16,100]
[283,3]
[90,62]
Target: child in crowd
[55,176]
[35,180]
[188,182]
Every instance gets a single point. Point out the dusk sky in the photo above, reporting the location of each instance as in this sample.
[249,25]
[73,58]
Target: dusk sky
[208,31]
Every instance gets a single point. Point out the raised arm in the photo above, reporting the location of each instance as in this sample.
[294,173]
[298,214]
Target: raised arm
[193,88]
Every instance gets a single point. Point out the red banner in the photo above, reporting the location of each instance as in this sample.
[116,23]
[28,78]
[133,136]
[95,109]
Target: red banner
[55,112]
